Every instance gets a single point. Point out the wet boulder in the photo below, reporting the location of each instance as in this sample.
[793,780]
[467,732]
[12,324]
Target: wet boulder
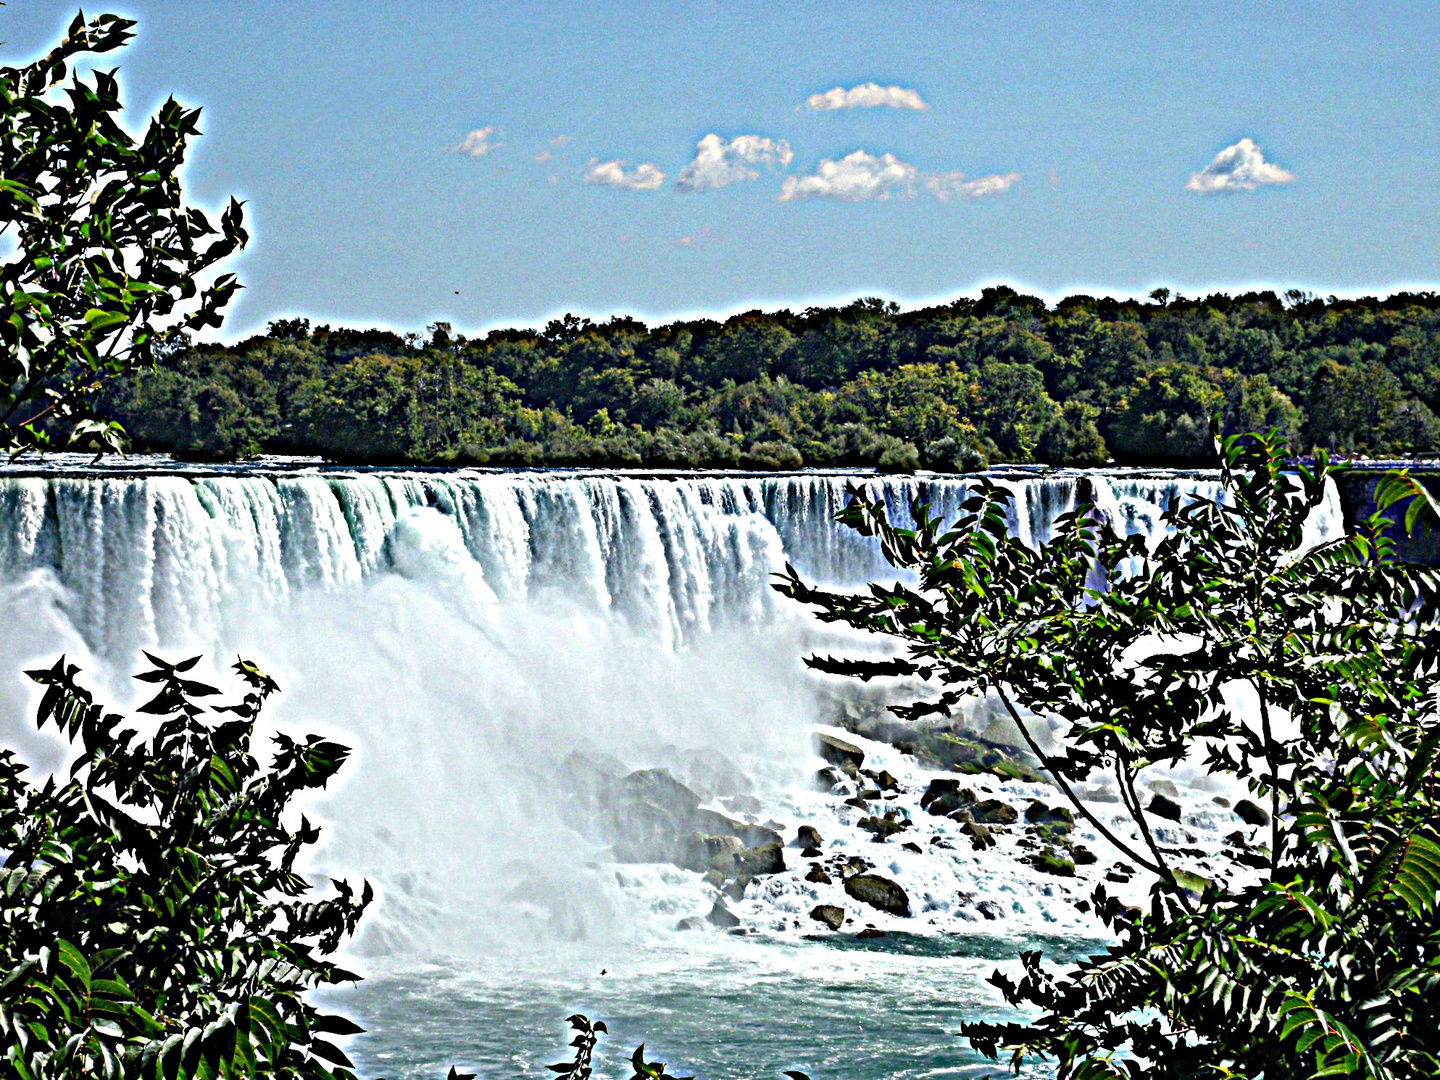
[1050,861]
[829,914]
[1164,787]
[1251,814]
[765,859]
[950,802]
[704,853]
[1037,813]
[882,828]
[807,836]
[650,815]
[879,892]
[1165,807]
[817,875]
[993,812]
[980,837]
[846,756]
[722,916]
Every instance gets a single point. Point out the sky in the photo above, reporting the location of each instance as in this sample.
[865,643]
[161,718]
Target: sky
[497,164]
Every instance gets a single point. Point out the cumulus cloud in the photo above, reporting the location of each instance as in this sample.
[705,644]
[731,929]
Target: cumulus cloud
[865,96]
[644,177]
[477,143]
[719,163]
[863,177]
[1241,167]
[857,177]
[946,186]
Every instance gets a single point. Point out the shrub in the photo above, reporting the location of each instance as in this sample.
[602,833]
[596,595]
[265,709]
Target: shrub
[1322,956]
[151,920]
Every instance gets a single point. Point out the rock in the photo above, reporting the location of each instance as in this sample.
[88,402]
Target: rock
[1083,856]
[827,778]
[941,785]
[807,836]
[885,782]
[829,914]
[1251,814]
[1037,813]
[1117,877]
[993,812]
[882,828]
[948,802]
[980,837]
[722,916]
[735,887]
[765,859]
[990,909]
[650,816]
[1164,787]
[908,846]
[879,892]
[838,751]
[1220,800]
[714,877]
[1051,862]
[871,793]
[811,853]
[857,802]
[744,804]
[870,932]
[818,875]
[694,922]
[714,823]
[1162,806]
[704,852]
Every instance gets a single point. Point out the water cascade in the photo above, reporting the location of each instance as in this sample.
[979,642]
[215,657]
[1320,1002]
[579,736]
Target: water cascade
[474,634]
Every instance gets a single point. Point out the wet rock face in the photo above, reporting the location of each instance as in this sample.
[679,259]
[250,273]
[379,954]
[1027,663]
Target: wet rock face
[829,914]
[765,859]
[722,916]
[1163,806]
[1251,814]
[839,753]
[807,836]
[882,828]
[1037,813]
[879,892]
[994,812]
[704,853]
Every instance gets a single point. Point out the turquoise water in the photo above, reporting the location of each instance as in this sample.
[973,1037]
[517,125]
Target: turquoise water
[837,1008]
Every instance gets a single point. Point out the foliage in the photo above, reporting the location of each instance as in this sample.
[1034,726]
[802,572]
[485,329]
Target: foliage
[587,1034]
[1308,675]
[1001,378]
[152,921]
[105,272]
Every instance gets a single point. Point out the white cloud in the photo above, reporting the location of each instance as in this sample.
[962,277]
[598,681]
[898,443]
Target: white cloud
[865,96]
[1237,168]
[477,143]
[644,177]
[561,140]
[857,177]
[719,163]
[953,185]
[543,156]
[862,177]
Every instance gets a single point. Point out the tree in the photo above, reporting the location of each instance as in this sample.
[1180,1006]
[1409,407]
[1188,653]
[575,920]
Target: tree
[1318,951]
[105,273]
[151,918]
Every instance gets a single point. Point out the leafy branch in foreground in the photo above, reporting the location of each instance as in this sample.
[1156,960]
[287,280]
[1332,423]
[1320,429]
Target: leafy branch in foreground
[1307,673]
[105,270]
[151,919]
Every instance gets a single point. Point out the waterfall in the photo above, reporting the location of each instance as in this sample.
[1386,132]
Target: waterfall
[158,560]
[466,631]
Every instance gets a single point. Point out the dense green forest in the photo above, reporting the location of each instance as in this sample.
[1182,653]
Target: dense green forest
[1001,378]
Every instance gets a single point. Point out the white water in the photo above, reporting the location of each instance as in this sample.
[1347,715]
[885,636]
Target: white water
[465,631]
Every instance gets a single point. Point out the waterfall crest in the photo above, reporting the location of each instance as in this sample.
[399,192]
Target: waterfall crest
[155,560]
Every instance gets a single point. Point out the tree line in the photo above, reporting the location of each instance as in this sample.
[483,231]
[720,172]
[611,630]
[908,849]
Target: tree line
[1003,377]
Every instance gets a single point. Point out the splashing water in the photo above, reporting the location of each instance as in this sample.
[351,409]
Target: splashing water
[467,632]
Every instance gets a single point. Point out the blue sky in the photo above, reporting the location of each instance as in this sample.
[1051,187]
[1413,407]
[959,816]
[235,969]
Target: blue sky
[1055,151]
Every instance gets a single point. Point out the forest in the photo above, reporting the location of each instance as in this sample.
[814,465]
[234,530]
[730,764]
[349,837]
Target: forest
[1004,377]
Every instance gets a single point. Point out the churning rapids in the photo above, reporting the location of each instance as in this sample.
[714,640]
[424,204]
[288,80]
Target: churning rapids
[495,644]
